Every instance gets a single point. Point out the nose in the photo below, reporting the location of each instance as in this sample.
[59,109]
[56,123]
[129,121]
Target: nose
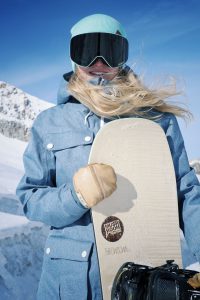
[99,62]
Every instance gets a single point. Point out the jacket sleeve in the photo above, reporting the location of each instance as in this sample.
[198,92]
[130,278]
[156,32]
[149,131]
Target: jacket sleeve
[188,188]
[41,200]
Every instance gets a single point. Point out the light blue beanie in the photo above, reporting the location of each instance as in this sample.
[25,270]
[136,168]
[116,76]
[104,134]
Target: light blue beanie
[97,23]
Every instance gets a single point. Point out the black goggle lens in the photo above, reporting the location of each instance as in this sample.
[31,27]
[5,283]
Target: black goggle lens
[84,48]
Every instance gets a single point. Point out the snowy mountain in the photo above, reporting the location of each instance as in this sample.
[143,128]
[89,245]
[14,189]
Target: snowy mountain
[17,111]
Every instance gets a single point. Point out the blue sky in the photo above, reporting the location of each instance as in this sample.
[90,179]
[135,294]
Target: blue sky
[164,38]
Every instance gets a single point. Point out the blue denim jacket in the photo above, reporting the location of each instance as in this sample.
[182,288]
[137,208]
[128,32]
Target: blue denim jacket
[60,143]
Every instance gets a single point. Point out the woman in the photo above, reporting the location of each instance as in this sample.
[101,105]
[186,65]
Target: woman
[59,187]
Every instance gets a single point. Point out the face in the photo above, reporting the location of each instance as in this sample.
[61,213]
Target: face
[98,69]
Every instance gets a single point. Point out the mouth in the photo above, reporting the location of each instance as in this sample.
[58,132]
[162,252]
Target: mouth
[100,74]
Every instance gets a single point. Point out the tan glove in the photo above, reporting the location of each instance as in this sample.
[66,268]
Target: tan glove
[195,281]
[93,183]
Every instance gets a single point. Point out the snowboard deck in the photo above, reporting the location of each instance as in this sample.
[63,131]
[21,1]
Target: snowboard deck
[139,221]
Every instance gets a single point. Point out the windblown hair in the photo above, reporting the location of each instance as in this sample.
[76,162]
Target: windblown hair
[125,95]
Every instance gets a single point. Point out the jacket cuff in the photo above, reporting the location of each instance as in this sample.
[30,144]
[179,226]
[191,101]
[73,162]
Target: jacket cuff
[73,204]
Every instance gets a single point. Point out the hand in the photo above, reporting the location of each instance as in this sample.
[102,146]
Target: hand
[93,183]
[195,281]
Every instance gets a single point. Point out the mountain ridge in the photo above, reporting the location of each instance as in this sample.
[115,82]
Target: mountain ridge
[18,110]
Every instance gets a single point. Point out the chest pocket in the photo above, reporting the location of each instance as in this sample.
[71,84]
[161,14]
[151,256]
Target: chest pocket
[69,139]
[70,150]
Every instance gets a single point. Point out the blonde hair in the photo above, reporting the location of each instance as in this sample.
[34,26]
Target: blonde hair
[125,95]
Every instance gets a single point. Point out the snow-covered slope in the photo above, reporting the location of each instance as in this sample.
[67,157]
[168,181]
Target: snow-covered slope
[11,163]
[21,241]
[18,110]
[11,170]
[21,253]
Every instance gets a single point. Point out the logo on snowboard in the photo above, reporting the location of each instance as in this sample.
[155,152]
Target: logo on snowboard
[112,229]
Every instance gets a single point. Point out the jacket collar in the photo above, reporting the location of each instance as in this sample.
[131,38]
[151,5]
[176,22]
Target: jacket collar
[63,95]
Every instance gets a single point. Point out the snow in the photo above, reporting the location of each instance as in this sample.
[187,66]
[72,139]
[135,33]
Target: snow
[12,156]
[11,163]
[196,165]
[13,101]
[10,221]
[21,241]
[18,111]
[21,252]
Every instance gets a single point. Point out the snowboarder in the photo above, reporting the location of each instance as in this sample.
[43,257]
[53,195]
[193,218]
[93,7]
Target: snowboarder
[59,187]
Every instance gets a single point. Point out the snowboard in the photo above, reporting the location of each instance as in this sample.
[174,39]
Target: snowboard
[139,221]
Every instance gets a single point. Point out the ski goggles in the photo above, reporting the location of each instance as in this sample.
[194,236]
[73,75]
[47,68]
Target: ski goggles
[86,48]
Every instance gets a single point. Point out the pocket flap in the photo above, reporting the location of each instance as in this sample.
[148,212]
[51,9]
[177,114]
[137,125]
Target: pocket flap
[59,247]
[68,139]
